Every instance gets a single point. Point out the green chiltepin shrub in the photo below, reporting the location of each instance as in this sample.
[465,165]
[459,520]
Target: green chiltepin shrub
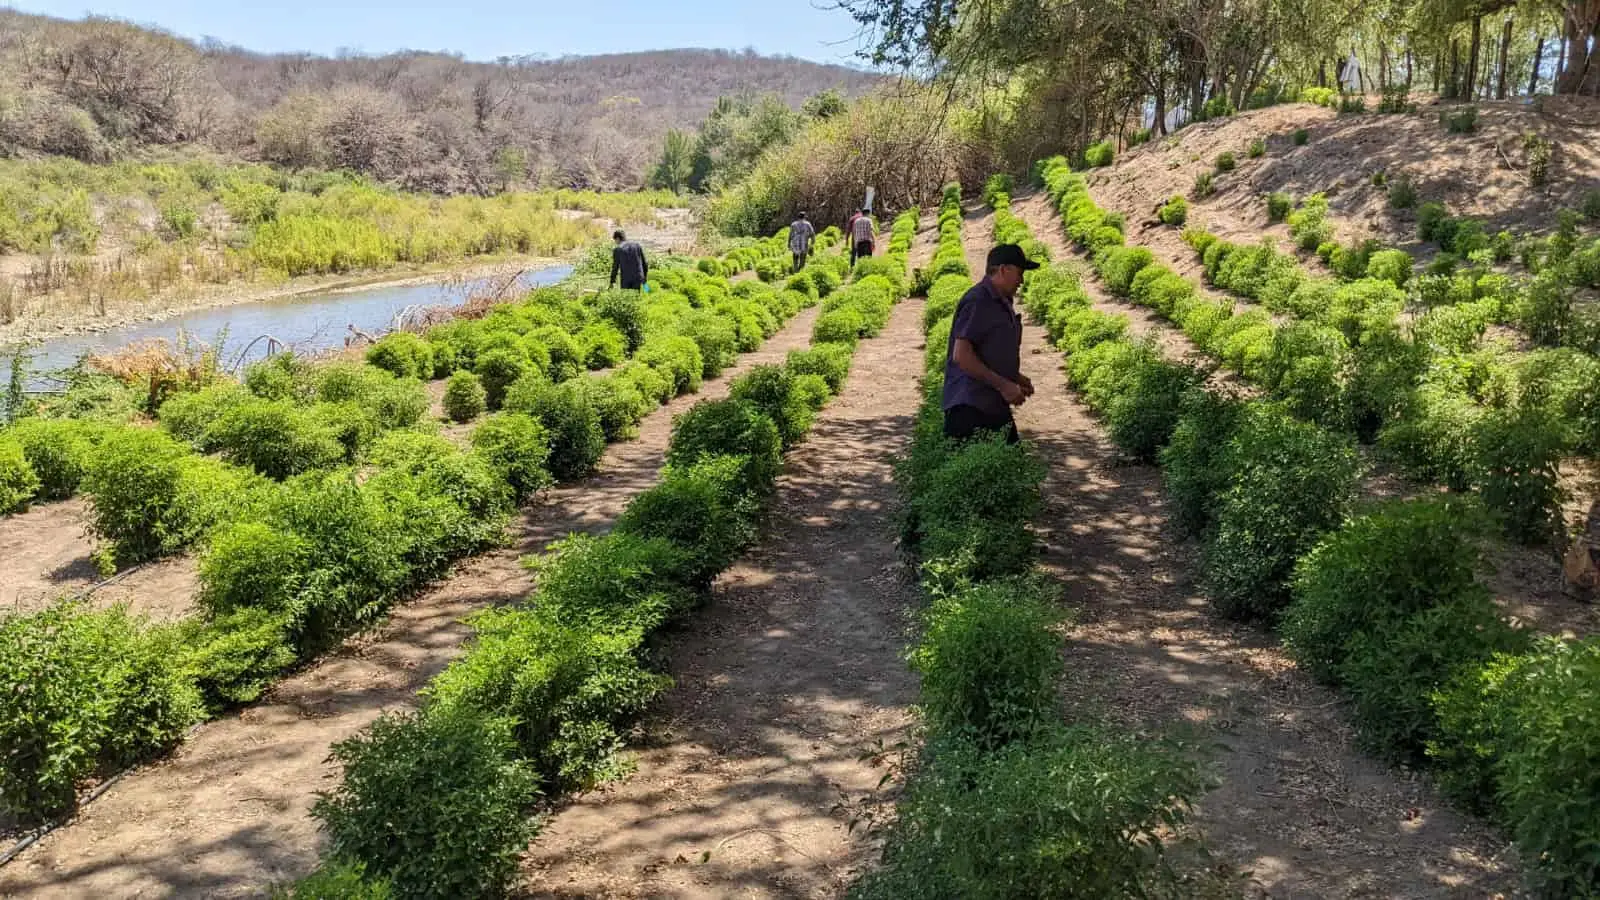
[464,397]
[18,480]
[436,804]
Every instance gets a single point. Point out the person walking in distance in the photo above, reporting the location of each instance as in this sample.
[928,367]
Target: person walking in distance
[801,234]
[628,263]
[862,233]
[983,377]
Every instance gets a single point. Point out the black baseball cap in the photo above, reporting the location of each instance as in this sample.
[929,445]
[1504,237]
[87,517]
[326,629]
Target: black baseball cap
[1011,255]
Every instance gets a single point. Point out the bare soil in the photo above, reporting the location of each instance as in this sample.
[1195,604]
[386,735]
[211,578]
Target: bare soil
[49,555]
[789,675]
[227,814]
[1297,810]
[1481,174]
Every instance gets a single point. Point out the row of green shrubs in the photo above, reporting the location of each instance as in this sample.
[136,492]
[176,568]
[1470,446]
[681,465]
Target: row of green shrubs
[1011,793]
[288,567]
[1384,601]
[1010,229]
[1438,405]
[948,278]
[438,803]
[1348,365]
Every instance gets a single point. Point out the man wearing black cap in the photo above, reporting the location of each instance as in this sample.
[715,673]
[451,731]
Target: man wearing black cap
[983,362]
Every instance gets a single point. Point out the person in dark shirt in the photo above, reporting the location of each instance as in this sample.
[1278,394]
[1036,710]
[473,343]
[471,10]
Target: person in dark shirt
[628,263]
[983,377]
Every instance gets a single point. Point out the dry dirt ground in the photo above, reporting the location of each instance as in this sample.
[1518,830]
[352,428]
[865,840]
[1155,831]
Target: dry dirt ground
[1298,811]
[784,680]
[48,555]
[1481,174]
[228,813]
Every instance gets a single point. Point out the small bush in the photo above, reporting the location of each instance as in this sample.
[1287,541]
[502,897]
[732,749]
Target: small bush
[148,496]
[1078,812]
[1591,206]
[58,450]
[974,512]
[1204,186]
[602,346]
[337,880]
[1226,162]
[81,689]
[190,415]
[1100,155]
[571,422]
[734,428]
[678,358]
[989,664]
[233,659]
[995,186]
[1301,137]
[1288,483]
[839,326]
[464,397]
[1402,193]
[830,361]
[1461,120]
[275,438]
[1539,152]
[403,354]
[1279,205]
[701,509]
[618,584]
[1517,460]
[436,804]
[1510,738]
[18,481]
[771,389]
[1258,149]
[1399,558]
[1175,211]
[565,691]
[1392,673]
[518,447]
[1393,266]
[498,370]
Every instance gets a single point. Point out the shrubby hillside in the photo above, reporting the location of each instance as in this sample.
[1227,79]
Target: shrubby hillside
[98,89]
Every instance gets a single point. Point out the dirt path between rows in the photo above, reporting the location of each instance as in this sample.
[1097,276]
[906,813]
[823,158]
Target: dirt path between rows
[228,813]
[49,554]
[1297,812]
[792,671]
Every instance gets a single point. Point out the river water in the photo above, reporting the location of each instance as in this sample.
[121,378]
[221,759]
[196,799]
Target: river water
[303,323]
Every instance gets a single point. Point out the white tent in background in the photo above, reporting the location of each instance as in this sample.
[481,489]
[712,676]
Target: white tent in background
[1350,78]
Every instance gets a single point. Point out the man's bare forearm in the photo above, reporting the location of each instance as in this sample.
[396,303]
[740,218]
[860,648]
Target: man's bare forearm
[968,361]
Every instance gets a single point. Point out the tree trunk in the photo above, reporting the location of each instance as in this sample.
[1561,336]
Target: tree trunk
[1472,57]
[1383,65]
[1454,90]
[1159,126]
[1438,68]
[1581,71]
[1409,70]
[1322,73]
[1505,61]
[1538,60]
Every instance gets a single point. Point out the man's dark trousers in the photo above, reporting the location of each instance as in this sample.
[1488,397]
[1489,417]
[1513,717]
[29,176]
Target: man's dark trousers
[962,422]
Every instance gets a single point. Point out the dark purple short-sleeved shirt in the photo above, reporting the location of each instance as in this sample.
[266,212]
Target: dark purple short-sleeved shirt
[992,324]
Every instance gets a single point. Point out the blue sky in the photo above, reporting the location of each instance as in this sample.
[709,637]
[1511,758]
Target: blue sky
[485,29]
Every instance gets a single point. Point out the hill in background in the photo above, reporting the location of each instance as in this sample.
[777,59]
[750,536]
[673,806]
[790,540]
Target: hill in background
[99,88]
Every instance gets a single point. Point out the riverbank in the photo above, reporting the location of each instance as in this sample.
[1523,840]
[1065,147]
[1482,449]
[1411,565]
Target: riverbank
[78,321]
[675,232]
